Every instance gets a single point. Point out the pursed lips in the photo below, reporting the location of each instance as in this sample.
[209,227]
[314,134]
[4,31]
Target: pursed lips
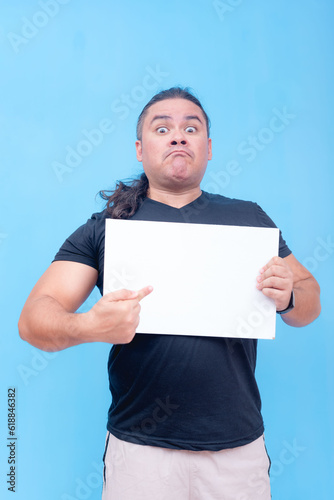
[179,151]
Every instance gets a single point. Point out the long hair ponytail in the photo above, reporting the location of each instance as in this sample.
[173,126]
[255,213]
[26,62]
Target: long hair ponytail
[125,199]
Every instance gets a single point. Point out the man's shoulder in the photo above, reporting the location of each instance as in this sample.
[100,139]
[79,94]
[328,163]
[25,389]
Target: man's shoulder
[93,227]
[229,202]
[97,220]
[233,211]
[99,216]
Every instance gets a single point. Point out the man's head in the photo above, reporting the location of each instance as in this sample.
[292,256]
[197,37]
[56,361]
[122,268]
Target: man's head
[173,140]
[172,93]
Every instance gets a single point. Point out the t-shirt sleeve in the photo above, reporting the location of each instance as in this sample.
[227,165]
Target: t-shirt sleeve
[81,246]
[265,221]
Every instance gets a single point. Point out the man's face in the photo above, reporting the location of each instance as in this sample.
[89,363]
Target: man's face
[175,147]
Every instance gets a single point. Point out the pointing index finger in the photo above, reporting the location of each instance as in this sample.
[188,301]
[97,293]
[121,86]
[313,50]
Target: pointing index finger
[144,292]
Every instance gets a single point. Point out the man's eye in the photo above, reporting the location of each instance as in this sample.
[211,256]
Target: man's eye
[191,129]
[162,130]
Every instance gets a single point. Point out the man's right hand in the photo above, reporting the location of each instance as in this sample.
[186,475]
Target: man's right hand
[115,317]
[49,321]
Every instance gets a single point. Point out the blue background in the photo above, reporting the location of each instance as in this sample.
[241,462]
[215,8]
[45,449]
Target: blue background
[65,66]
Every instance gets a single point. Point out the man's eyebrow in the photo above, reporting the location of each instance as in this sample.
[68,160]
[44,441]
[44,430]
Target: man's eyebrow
[194,117]
[160,117]
[167,117]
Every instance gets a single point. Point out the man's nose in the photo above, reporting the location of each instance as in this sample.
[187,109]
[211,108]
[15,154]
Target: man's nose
[178,137]
[175,142]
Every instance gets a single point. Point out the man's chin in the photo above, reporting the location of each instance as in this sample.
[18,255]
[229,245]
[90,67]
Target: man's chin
[179,183]
[180,171]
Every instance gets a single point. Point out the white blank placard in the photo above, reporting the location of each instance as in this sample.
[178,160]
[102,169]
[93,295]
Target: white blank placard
[204,276]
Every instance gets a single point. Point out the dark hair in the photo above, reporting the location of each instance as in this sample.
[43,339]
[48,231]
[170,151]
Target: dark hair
[172,93]
[126,198]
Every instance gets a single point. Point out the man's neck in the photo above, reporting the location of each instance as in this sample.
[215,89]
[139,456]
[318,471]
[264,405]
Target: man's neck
[174,199]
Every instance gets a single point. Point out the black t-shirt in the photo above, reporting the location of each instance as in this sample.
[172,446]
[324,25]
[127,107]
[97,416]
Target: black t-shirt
[184,392]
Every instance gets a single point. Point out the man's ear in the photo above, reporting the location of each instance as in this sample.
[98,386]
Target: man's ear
[209,149]
[139,150]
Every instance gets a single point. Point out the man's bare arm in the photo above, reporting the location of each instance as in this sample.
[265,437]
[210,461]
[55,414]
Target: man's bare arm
[48,320]
[279,277]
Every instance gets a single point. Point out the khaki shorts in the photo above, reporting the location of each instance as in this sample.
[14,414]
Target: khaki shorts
[136,472]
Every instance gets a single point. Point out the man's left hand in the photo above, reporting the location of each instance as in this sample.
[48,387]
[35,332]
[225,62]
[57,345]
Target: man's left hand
[276,281]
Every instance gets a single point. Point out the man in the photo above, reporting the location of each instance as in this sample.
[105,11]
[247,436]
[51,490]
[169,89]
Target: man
[185,419]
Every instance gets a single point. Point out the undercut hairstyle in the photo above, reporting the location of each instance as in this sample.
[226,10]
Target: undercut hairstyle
[126,198]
